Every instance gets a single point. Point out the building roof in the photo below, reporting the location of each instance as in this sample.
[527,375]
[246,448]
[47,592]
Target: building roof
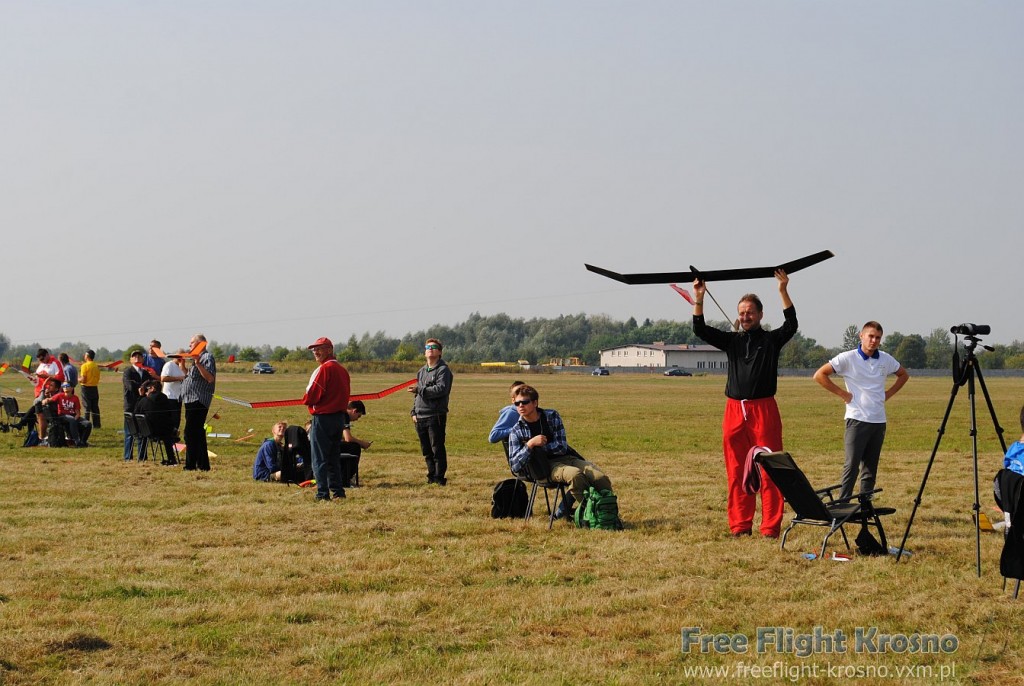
[666,347]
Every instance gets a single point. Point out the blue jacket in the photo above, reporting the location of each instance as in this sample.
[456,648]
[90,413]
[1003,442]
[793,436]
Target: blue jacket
[507,418]
[267,460]
[1014,460]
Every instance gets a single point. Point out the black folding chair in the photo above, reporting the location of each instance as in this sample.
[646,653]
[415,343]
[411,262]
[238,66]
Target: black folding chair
[155,445]
[820,507]
[535,485]
[12,417]
[138,441]
[1008,488]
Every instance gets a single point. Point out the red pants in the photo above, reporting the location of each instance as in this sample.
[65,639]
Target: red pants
[748,423]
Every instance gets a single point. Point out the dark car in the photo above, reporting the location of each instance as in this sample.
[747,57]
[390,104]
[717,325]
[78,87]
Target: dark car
[676,371]
[600,371]
[262,368]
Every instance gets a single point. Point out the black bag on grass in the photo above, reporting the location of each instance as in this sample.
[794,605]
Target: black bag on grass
[868,544]
[509,499]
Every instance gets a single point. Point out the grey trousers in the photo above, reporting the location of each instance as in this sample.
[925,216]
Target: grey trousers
[863,443]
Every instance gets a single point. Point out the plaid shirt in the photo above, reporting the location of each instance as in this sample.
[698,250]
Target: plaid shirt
[196,389]
[518,453]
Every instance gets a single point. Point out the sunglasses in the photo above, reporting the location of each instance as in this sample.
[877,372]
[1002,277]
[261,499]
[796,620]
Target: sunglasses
[520,403]
[432,347]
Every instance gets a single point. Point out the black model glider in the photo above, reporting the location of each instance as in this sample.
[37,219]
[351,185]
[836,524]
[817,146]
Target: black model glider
[716,274]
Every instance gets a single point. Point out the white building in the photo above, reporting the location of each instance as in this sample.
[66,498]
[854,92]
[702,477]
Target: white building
[692,357]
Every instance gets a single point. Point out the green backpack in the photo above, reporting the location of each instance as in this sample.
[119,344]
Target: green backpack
[599,510]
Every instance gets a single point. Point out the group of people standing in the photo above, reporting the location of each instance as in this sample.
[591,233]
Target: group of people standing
[160,386]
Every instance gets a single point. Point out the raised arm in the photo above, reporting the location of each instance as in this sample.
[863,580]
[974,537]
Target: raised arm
[783,279]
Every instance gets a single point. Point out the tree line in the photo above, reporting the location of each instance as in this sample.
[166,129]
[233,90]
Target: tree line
[501,338]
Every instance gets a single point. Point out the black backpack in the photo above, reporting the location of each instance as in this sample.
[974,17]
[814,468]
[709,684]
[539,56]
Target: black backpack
[509,499]
[296,445]
[55,435]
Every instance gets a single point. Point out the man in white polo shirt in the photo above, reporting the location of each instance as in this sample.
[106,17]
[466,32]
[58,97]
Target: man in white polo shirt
[864,371]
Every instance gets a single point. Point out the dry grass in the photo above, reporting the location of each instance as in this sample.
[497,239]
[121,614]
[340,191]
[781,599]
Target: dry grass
[128,573]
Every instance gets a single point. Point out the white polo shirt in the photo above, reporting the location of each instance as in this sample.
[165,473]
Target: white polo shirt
[865,379]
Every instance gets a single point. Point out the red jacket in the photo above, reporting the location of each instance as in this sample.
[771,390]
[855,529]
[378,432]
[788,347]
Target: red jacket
[328,389]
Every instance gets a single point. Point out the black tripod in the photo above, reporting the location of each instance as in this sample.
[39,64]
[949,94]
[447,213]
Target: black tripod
[962,374]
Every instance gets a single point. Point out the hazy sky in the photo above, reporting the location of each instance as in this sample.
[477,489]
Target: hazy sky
[270,172]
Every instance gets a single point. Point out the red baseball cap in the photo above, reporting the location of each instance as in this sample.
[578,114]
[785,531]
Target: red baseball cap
[320,341]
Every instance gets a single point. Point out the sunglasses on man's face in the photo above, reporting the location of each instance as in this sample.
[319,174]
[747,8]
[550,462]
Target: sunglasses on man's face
[520,403]
[432,347]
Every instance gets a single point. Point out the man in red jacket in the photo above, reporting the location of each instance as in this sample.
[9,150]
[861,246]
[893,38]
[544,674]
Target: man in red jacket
[327,399]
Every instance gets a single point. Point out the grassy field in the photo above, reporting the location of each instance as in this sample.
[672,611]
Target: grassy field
[139,574]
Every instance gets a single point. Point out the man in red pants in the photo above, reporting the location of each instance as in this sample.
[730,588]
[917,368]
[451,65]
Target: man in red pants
[751,415]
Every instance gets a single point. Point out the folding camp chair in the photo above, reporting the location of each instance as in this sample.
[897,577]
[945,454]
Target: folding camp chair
[138,440]
[1008,488]
[810,507]
[154,445]
[548,486]
[12,417]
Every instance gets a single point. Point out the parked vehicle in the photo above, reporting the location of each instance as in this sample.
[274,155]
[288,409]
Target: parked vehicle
[600,371]
[676,371]
[262,368]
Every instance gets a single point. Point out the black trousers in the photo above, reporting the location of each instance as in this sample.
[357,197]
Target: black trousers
[197,455]
[91,405]
[431,431]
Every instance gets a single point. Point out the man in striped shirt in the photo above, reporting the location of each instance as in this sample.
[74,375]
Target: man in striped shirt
[197,395]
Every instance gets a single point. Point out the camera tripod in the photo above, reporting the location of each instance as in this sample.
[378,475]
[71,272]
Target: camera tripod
[962,374]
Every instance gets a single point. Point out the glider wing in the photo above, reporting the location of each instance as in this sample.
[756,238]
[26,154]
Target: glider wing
[713,275]
[195,352]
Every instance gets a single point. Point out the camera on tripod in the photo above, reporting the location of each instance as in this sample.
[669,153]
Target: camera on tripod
[971,329]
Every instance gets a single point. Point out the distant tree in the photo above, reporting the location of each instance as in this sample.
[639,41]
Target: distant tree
[851,337]
[351,352]
[5,343]
[379,346]
[992,359]
[280,354]
[248,354]
[407,351]
[631,324]
[891,343]
[938,349]
[1014,361]
[803,353]
[911,352]
[299,354]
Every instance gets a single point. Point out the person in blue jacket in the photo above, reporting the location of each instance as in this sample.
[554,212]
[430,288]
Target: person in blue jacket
[267,466]
[507,417]
[1014,460]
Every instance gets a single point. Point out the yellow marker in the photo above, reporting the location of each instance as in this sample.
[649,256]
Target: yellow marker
[985,524]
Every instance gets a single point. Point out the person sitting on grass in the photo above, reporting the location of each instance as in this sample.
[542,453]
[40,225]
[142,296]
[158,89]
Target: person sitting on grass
[267,466]
[541,433]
